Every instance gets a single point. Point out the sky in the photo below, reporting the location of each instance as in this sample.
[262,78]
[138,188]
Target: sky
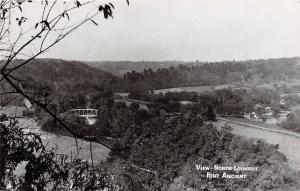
[188,30]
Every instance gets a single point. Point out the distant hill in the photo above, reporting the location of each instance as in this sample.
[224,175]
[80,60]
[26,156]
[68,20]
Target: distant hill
[69,77]
[61,76]
[213,73]
[119,68]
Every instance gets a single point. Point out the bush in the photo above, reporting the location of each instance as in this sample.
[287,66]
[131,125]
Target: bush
[28,113]
[3,117]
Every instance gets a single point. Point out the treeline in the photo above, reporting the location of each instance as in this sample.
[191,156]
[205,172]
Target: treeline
[119,68]
[54,77]
[228,101]
[214,73]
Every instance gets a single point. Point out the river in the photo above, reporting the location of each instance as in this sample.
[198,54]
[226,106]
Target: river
[66,145]
[289,145]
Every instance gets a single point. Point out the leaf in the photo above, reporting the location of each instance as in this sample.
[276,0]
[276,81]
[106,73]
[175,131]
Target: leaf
[78,4]
[36,25]
[107,12]
[20,8]
[101,8]
[47,24]
[46,1]
[112,5]
[94,22]
[65,14]
[68,16]
[127,2]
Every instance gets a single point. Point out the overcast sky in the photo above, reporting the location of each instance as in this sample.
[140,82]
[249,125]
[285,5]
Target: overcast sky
[205,30]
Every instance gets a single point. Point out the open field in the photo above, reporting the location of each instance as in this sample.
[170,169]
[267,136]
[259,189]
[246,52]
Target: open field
[201,89]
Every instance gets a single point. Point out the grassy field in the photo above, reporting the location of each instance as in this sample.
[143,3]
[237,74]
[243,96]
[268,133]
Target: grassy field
[198,89]
[201,89]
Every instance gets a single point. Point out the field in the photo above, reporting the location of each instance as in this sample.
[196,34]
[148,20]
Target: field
[201,89]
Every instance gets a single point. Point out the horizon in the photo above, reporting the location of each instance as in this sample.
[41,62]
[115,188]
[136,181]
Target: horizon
[195,61]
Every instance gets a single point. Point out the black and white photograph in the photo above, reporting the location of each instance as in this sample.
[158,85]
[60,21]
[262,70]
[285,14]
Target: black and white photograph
[149,95]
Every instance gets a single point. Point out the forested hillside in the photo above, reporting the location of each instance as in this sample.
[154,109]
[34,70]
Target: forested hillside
[58,78]
[214,73]
[63,76]
[67,77]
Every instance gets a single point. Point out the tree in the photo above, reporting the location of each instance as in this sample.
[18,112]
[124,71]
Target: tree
[19,38]
[134,107]
[210,114]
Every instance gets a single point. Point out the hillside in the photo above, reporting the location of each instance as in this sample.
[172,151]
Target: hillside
[69,76]
[62,76]
[214,73]
[55,77]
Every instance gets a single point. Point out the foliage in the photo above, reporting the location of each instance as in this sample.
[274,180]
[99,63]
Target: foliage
[292,122]
[239,152]
[43,171]
[160,152]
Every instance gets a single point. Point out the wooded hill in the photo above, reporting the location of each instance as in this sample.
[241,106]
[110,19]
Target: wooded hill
[67,77]
[62,76]
[55,77]
[213,73]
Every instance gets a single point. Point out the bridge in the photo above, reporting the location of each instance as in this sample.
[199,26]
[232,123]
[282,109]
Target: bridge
[128,102]
[89,114]
[85,112]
